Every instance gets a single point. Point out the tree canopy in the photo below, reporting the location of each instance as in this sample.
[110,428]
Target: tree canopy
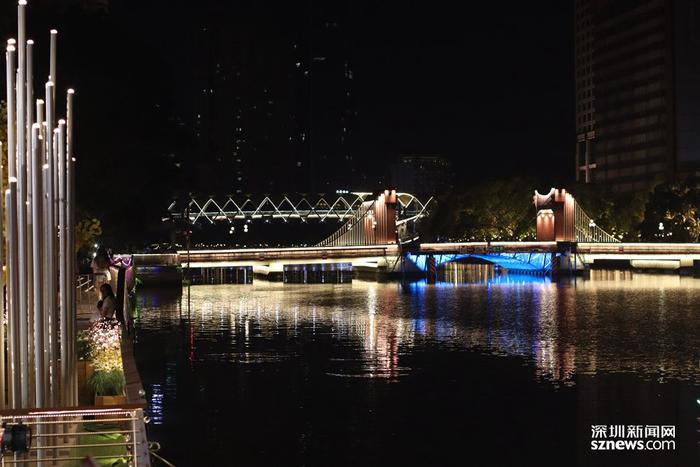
[493,210]
[671,214]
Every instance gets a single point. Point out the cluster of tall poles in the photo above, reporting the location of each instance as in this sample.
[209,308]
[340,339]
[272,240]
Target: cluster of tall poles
[38,355]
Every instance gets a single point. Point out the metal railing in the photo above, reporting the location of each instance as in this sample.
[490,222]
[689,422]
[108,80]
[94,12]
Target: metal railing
[86,289]
[69,435]
[352,233]
[341,207]
[586,229]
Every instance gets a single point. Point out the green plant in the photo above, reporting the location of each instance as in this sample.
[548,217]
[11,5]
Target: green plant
[86,231]
[83,346]
[108,383]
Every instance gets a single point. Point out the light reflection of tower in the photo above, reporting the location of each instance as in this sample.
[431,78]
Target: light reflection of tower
[555,356]
[382,335]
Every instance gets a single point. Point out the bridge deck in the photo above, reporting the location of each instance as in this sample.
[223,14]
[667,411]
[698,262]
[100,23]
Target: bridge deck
[626,250]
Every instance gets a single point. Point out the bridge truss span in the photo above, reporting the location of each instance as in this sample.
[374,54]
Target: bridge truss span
[342,207]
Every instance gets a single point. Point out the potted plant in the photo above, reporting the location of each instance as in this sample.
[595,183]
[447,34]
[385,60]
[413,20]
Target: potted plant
[85,367]
[108,387]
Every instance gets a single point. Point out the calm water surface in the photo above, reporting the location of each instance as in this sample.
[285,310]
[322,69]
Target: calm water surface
[478,370]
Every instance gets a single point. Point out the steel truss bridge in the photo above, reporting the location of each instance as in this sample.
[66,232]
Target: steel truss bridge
[342,207]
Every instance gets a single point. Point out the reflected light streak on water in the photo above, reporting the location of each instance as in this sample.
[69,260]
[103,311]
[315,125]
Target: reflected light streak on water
[560,334]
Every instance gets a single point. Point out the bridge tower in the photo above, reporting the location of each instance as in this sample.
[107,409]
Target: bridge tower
[556,212]
[380,222]
[561,219]
[374,223]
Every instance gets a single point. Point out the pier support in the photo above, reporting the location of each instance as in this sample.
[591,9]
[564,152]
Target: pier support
[431,269]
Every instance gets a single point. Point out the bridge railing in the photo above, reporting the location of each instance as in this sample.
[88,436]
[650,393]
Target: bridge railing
[351,233]
[586,229]
[70,435]
[287,208]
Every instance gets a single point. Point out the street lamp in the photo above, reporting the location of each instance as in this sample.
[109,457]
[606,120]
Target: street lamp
[591,226]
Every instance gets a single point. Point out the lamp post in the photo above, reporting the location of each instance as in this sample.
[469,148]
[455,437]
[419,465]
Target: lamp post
[591,226]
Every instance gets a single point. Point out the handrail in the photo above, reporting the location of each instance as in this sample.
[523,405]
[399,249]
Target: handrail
[349,225]
[58,432]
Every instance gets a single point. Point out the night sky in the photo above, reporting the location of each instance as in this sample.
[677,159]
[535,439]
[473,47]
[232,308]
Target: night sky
[488,86]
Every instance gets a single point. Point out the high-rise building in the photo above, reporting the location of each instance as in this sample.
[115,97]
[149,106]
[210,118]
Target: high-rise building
[322,116]
[421,175]
[637,75]
[274,113]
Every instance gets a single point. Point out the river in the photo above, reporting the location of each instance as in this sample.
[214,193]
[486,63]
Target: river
[479,369]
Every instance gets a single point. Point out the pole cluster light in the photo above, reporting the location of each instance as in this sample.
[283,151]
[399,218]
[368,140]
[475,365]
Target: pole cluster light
[39,218]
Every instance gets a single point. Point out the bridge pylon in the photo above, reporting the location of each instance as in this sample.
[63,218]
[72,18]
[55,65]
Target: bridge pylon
[561,219]
[373,223]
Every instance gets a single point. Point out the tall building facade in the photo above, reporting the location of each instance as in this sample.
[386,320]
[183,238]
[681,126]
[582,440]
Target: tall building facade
[637,72]
[322,112]
[273,106]
[423,175]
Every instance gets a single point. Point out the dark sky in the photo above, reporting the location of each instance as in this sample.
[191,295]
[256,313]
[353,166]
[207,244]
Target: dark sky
[491,86]
[488,85]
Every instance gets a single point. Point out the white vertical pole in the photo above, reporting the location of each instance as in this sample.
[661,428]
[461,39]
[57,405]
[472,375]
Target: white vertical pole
[63,280]
[40,199]
[13,282]
[37,289]
[30,96]
[11,65]
[40,117]
[70,240]
[52,60]
[21,200]
[53,213]
[2,297]
[50,264]
[11,60]
[54,168]
[29,88]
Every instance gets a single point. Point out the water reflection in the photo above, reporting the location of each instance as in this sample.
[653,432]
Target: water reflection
[293,352]
[584,326]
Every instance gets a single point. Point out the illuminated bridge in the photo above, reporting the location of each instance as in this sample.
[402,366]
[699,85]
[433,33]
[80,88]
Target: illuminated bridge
[380,232]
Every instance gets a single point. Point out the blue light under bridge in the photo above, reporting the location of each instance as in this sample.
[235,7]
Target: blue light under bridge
[528,263]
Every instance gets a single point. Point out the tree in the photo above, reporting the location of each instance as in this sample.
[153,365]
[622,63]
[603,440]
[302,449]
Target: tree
[619,214]
[86,232]
[671,213]
[493,210]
